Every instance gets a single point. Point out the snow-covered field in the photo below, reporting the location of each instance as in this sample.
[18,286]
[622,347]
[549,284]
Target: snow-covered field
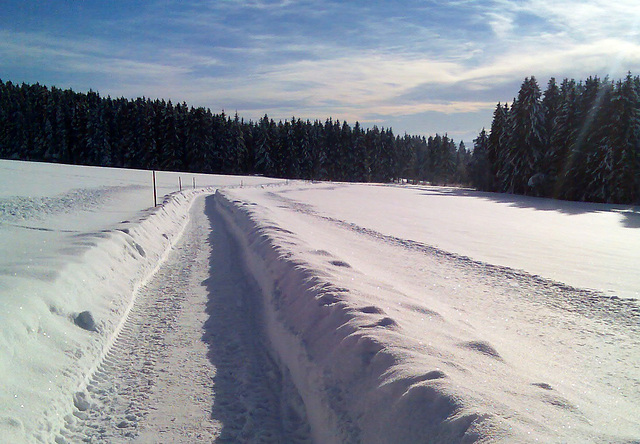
[399,307]
[327,312]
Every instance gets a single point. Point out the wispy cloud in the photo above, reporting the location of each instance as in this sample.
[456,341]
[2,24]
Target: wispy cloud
[593,19]
[71,57]
[501,23]
[350,60]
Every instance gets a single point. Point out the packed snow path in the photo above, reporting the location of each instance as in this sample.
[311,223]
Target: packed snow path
[190,365]
[76,245]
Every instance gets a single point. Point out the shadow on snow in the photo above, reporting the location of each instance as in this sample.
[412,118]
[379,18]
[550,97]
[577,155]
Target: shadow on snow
[630,215]
[248,387]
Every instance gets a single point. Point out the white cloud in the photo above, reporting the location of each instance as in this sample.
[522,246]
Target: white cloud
[262,4]
[262,70]
[86,57]
[592,19]
[608,56]
[501,23]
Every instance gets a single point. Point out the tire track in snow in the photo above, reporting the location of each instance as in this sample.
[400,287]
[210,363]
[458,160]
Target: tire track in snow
[189,364]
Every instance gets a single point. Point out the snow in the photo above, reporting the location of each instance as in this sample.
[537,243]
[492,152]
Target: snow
[581,244]
[389,339]
[388,313]
[75,239]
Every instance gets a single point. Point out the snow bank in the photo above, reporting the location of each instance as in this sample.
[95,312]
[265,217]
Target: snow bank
[388,339]
[57,328]
[348,360]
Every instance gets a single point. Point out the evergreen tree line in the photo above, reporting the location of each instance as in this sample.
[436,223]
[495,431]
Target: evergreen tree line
[577,141]
[54,125]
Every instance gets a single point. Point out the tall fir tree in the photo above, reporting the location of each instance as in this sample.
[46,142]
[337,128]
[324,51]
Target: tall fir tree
[526,142]
[624,131]
[264,137]
[497,144]
[576,174]
[480,167]
[552,105]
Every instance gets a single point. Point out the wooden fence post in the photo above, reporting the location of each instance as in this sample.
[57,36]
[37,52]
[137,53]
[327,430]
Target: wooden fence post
[155,194]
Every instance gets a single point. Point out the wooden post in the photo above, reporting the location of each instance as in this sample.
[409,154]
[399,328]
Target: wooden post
[155,195]
[194,183]
[180,182]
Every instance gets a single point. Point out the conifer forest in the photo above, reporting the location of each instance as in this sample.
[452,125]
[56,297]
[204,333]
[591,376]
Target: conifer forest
[579,140]
[54,125]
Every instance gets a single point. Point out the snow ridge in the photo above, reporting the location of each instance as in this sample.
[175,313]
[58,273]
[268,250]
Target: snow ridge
[338,353]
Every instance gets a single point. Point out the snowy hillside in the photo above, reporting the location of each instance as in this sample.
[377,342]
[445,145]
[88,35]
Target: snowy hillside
[324,312]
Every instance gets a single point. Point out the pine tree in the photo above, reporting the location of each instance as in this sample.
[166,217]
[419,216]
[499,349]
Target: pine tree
[552,105]
[461,174]
[598,148]
[561,139]
[575,180]
[526,141]
[198,146]
[318,153]
[356,155]
[373,150]
[406,157]
[624,129]
[238,149]
[171,147]
[265,134]
[497,144]
[303,144]
[480,167]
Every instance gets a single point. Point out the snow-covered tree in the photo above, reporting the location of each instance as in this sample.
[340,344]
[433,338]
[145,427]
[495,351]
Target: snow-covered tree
[624,133]
[526,142]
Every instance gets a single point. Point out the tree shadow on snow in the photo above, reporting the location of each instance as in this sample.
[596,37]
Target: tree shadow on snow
[630,215]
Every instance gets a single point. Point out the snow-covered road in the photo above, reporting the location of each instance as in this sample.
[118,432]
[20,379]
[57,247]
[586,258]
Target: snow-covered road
[76,245]
[326,313]
[190,364]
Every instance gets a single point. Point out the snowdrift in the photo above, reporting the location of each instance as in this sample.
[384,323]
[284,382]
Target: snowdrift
[388,339]
[57,330]
[349,361]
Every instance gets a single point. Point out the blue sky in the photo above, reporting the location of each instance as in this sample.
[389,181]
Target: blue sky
[418,66]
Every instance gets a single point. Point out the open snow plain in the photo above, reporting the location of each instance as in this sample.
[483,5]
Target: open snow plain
[316,312]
